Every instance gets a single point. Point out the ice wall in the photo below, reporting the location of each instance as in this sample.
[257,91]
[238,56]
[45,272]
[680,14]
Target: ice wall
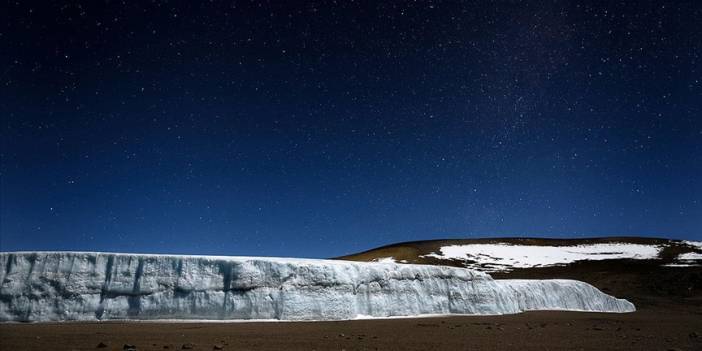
[52,286]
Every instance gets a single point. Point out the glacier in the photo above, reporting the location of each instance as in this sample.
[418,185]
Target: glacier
[89,286]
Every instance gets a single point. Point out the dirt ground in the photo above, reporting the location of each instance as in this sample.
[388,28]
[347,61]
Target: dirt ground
[648,329]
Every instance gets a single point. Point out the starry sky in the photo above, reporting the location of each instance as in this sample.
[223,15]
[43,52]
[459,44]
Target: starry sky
[317,129]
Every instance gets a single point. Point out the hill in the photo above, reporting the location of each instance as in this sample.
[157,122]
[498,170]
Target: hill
[648,271]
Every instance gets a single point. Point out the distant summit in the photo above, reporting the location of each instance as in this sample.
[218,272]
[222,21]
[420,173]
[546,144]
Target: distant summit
[508,254]
[644,270]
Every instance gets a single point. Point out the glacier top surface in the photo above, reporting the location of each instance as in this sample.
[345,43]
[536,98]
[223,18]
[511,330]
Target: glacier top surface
[207,257]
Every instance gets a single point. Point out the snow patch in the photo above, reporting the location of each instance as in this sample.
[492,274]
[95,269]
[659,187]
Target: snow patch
[385,260]
[690,256]
[696,244]
[680,265]
[502,257]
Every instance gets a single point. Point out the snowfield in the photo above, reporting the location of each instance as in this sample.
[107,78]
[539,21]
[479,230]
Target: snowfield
[690,259]
[58,286]
[504,257]
[690,256]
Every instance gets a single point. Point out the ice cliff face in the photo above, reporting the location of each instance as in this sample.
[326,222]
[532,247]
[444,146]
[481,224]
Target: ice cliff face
[52,286]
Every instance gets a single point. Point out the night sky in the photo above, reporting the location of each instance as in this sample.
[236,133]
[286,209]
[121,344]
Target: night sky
[318,129]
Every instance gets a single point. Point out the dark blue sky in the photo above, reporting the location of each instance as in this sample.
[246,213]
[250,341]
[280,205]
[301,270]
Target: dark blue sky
[317,130]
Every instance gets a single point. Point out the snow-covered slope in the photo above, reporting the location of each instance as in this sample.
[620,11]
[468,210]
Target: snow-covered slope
[49,286]
[500,257]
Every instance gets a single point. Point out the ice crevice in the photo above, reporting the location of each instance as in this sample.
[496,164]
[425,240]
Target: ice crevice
[57,286]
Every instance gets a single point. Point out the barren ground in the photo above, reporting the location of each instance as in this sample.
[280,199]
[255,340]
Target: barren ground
[648,329]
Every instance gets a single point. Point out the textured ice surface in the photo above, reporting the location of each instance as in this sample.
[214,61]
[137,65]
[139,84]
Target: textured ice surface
[50,286]
[500,257]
